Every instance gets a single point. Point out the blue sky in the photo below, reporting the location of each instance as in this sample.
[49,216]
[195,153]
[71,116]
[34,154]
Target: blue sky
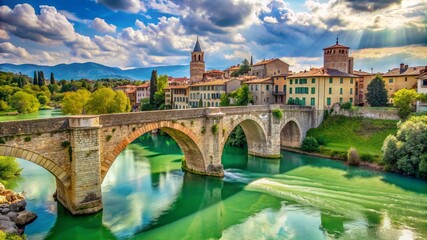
[133,33]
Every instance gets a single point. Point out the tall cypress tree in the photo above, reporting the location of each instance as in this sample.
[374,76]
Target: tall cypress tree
[153,85]
[35,79]
[41,79]
[377,93]
[52,78]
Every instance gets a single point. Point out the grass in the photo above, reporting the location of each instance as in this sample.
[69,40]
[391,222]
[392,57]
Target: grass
[366,135]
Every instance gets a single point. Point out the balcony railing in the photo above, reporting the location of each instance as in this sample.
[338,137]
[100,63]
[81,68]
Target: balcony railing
[279,93]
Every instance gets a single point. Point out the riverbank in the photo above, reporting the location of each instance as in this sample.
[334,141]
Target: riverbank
[368,165]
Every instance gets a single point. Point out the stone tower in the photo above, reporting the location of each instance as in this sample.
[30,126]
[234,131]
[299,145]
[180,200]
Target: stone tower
[337,57]
[197,64]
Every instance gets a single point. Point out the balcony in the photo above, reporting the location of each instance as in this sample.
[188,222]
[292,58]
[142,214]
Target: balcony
[277,93]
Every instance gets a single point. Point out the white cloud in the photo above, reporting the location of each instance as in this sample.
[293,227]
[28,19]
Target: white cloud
[46,27]
[3,34]
[270,19]
[8,50]
[415,51]
[100,25]
[72,17]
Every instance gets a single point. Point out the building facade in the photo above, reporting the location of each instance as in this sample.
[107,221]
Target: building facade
[362,81]
[262,90]
[279,89]
[269,68]
[422,88]
[208,94]
[402,77]
[197,64]
[337,57]
[142,92]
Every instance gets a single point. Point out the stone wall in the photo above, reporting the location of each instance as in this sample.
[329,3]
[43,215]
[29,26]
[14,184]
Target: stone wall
[369,113]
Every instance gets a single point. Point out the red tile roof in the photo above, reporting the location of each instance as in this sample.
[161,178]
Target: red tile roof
[409,71]
[321,72]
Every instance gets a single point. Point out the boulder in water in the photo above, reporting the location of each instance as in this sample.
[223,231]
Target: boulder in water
[25,217]
[18,206]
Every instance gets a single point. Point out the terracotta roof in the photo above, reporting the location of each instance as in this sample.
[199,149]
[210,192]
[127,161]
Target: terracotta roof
[362,73]
[177,87]
[126,86]
[263,62]
[144,85]
[423,74]
[410,71]
[320,72]
[130,91]
[336,46]
[217,82]
[182,79]
[260,80]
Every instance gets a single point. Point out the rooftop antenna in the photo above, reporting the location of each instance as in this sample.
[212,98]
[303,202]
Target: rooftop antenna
[337,39]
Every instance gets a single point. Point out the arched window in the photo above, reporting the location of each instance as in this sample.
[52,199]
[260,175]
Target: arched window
[199,58]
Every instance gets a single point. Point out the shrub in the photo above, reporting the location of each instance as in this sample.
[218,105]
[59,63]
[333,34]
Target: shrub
[27,139]
[310,144]
[346,106]
[3,106]
[215,128]
[353,157]
[109,137]
[277,114]
[339,155]
[9,168]
[366,157]
[321,140]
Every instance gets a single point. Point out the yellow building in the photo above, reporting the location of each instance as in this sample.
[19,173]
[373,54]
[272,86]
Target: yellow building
[362,81]
[208,94]
[177,97]
[402,77]
[321,88]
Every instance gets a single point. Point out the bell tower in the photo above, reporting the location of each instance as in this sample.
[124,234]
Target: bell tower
[197,64]
[337,57]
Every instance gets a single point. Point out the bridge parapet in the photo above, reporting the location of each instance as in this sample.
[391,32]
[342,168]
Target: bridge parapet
[27,127]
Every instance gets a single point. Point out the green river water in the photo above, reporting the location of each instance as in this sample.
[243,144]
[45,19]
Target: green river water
[146,195]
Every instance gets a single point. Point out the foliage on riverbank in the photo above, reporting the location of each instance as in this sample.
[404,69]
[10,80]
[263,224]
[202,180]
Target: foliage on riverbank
[237,138]
[8,236]
[339,133]
[9,169]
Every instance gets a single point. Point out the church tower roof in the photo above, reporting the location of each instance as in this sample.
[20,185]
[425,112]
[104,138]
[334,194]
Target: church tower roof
[197,47]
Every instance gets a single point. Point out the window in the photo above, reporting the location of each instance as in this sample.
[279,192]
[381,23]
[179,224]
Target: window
[303,101]
[252,87]
[390,80]
[351,90]
[290,81]
[313,80]
[406,79]
[351,80]
[313,90]
[424,82]
[290,90]
[277,88]
[341,80]
[256,87]
[312,101]
[340,99]
[330,80]
[267,87]
[284,88]
[296,81]
[340,90]
[351,100]
[328,100]
[330,90]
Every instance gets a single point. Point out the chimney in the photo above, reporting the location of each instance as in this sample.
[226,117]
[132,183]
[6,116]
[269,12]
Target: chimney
[402,66]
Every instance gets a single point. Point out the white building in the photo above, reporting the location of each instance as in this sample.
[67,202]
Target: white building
[422,88]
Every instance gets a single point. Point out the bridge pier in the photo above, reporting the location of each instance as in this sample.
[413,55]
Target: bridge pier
[84,196]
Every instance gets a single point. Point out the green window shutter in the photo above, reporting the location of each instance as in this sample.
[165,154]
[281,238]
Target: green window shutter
[313,90]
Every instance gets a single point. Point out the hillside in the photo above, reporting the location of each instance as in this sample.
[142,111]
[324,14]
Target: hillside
[366,135]
[95,71]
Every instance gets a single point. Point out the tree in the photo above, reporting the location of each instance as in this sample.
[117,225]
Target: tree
[237,137]
[200,103]
[243,96]
[52,78]
[377,93]
[407,151]
[244,67]
[35,79]
[24,102]
[310,144]
[43,99]
[74,102]
[41,78]
[162,82]
[224,100]
[153,85]
[403,100]
[106,100]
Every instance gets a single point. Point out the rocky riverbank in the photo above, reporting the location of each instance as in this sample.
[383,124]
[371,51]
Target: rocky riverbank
[13,216]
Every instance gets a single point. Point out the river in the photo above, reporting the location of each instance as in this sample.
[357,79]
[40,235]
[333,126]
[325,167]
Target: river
[49,113]
[147,196]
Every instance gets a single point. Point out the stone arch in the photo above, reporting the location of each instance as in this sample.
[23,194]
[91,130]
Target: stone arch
[254,130]
[185,138]
[57,171]
[291,133]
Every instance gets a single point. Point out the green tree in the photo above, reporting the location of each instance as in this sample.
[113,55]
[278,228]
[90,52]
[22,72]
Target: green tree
[200,103]
[310,144]
[9,168]
[237,137]
[153,85]
[52,78]
[162,82]
[24,102]
[35,79]
[41,79]
[3,106]
[403,100]
[74,102]
[105,100]
[407,151]
[43,99]
[245,67]
[377,93]
[243,96]
[224,100]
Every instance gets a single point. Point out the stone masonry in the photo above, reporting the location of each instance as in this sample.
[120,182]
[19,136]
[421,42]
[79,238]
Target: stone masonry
[79,150]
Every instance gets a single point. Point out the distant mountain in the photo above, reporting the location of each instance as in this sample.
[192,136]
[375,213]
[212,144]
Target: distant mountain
[95,71]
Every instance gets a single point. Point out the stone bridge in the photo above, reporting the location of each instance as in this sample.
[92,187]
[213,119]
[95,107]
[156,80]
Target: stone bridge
[79,150]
